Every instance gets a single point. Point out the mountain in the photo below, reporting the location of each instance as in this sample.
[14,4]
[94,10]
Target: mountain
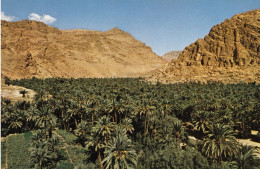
[34,49]
[230,53]
[171,55]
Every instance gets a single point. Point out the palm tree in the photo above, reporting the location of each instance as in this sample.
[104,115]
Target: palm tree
[40,156]
[54,144]
[113,108]
[82,131]
[74,112]
[32,114]
[100,135]
[120,153]
[127,125]
[164,136]
[165,108]
[37,137]
[7,80]
[201,121]
[144,111]
[23,92]
[92,106]
[104,128]
[47,119]
[246,157]
[6,101]
[220,143]
[16,120]
[178,130]
[95,141]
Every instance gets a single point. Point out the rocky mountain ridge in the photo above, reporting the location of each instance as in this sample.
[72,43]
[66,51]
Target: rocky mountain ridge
[34,49]
[230,53]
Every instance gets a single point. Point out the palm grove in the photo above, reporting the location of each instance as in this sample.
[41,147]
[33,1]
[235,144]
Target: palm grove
[128,123]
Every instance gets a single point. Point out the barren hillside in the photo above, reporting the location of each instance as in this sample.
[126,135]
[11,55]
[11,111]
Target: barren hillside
[33,49]
[230,53]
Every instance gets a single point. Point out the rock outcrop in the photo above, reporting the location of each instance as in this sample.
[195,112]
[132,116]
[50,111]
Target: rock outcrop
[34,49]
[171,55]
[230,53]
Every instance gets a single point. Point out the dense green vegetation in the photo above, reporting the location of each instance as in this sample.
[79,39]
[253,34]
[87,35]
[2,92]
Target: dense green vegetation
[17,151]
[3,153]
[127,123]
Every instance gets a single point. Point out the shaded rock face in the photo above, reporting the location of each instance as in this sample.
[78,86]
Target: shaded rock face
[33,49]
[230,53]
[171,55]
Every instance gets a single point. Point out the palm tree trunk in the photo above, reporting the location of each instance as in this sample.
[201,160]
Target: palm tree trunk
[115,116]
[92,117]
[50,132]
[145,126]
[99,160]
[45,127]
[40,164]
[76,122]
[178,139]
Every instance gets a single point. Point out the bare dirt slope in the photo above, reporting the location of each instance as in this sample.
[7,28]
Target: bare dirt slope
[13,93]
[33,49]
[230,53]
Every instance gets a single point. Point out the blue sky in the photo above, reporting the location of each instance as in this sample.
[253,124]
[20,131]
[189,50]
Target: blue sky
[164,25]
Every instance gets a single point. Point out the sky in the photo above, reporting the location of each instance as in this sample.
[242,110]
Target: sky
[164,25]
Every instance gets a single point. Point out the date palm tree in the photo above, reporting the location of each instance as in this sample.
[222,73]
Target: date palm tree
[220,143]
[246,157]
[120,153]
[16,120]
[201,121]
[40,156]
[82,131]
[23,92]
[46,119]
[54,144]
[100,135]
[127,125]
[144,112]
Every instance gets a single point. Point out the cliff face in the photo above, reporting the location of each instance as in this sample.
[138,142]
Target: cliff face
[230,53]
[33,49]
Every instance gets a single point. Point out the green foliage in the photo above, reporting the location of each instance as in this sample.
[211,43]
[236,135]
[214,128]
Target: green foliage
[3,153]
[44,152]
[170,157]
[18,154]
[220,143]
[7,80]
[68,136]
[64,165]
[78,155]
[247,158]
[156,118]
[27,136]
[119,152]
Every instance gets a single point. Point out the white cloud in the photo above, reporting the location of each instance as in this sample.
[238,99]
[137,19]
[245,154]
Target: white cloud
[7,18]
[45,18]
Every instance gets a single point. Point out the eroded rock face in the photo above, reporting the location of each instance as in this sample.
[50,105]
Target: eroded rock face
[230,53]
[34,49]
[171,55]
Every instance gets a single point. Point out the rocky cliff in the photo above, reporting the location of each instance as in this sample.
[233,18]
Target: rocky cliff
[33,49]
[230,53]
